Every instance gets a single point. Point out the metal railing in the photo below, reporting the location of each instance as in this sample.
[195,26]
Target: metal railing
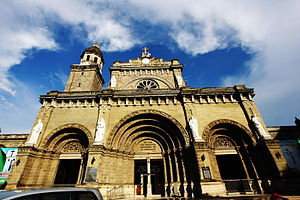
[116,192]
[241,185]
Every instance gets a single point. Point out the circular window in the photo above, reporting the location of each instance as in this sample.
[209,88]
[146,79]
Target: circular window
[147,84]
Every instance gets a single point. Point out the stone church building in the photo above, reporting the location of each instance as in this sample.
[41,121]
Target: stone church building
[147,134]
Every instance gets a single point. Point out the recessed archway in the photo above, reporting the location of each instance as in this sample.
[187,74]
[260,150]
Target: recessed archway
[70,143]
[166,138]
[231,143]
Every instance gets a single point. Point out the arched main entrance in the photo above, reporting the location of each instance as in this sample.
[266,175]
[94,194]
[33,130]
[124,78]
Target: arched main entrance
[159,144]
[71,145]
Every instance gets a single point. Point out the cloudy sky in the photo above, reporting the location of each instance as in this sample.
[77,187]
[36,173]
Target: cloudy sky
[220,43]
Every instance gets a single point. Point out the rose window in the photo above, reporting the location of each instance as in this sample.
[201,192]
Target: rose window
[147,84]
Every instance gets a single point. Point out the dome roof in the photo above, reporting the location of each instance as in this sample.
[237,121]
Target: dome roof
[95,49]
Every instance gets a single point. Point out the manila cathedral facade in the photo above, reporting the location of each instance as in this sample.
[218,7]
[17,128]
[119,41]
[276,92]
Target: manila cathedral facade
[146,134]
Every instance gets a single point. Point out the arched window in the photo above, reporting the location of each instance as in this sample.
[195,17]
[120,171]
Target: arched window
[147,84]
[95,59]
[88,57]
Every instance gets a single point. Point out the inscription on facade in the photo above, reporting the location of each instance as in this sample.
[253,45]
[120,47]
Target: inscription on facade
[148,146]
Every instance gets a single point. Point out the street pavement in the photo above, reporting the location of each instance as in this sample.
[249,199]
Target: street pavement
[258,197]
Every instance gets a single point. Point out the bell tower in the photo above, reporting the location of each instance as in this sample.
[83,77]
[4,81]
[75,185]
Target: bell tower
[87,76]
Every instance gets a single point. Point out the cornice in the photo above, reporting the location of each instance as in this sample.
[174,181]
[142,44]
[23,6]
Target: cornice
[212,95]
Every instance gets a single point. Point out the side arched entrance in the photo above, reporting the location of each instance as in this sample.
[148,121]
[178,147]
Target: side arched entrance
[160,147]
[70,145]
[234,164]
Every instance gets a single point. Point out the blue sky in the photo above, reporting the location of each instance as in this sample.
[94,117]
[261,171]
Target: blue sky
[220,43]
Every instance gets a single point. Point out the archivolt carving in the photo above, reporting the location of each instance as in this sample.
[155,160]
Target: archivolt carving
[208,131]
[126,127]
[131,134]
[148,111]
[46,141]
[72,147]
[223,142]
[148,78]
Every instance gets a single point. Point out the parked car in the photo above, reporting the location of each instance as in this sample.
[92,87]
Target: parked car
[52,194]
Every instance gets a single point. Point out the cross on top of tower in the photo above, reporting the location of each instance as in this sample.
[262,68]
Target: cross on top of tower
[96,45]
[145,53]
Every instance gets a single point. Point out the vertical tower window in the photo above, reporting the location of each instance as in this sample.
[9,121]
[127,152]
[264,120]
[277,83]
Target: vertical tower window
[79,84]
[88,57]
[95,59]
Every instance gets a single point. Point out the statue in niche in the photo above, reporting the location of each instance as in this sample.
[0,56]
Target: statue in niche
[100,130]
[193,123]
[37,129]
[179,79]
[113,81]
[261,131]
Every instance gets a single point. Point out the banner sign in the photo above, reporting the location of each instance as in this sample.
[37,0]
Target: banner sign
[7,160]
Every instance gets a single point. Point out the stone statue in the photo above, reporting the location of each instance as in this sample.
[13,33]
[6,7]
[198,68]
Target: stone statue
[179,79]
[100,131]
[261,131]
[113,81]
[193,123]
[37,129]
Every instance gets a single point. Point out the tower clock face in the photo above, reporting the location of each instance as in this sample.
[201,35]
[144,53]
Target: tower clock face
[145,60]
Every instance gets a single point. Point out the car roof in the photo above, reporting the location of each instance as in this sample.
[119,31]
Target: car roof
[19,193]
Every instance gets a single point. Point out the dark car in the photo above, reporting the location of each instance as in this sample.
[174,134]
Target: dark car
[52,194]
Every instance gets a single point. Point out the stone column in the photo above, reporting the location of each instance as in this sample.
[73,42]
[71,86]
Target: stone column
[255,185]
[183,184]
[166,184]
[142,184]
[176,174]
[171,172]
[149,187]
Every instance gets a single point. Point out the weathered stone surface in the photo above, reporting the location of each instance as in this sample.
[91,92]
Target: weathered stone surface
[136,117]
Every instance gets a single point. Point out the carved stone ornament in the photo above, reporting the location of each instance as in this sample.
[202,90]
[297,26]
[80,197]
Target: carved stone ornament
[114,133]
[208,130]
[48,141]
[223,142]
[72,147]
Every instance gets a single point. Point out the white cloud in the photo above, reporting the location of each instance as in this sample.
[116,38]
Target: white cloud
[268,29]
[28,26]
[95,19]
[16,38]
[18,112]
[13,49]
